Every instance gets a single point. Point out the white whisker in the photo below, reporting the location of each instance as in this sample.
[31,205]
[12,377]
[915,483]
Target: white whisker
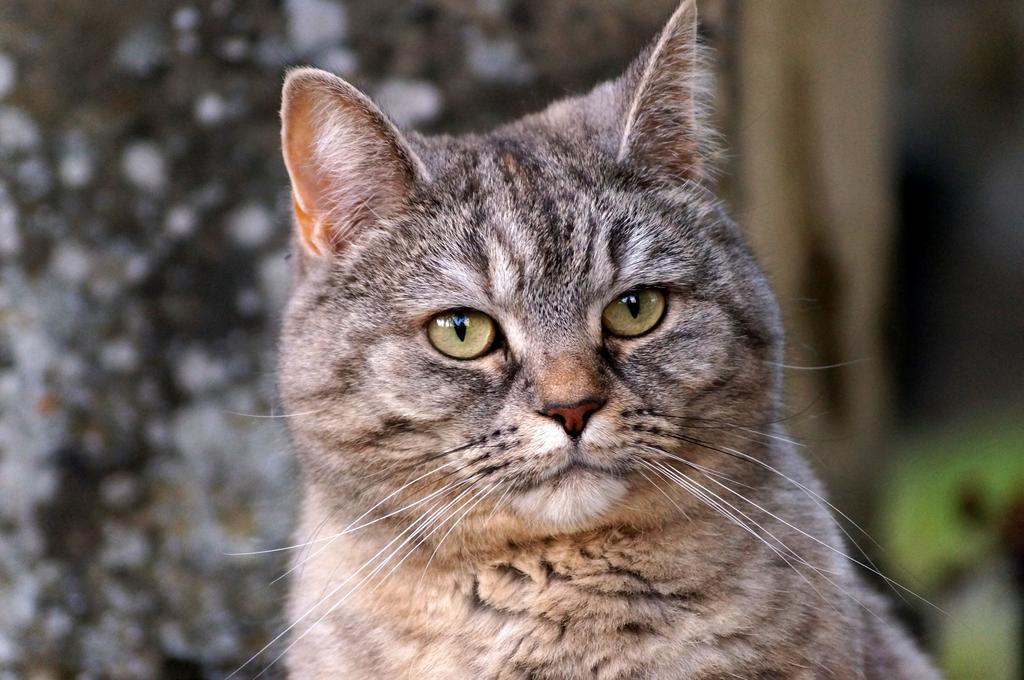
[824,367]
[737,512]
[454,525]
[769,435]
[820,571]
[414,528]
[365,579]
[276,415]
[663,492]
[698,491]
[351,527]
[869,566]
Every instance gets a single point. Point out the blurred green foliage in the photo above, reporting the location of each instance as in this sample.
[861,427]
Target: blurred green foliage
[953,523]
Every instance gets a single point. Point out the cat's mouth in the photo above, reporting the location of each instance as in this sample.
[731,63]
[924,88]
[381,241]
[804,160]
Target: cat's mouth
[576,467]
[572,492]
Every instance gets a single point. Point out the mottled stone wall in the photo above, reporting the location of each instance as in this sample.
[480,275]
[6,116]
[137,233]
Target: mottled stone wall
[142,269]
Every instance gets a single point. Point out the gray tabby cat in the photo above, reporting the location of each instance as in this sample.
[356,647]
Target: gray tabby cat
[534,382]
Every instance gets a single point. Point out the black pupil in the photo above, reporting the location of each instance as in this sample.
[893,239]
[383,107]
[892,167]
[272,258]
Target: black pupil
[460,322]
[632,304]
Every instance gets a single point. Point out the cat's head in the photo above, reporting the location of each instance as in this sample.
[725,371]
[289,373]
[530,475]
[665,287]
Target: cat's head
[532,317]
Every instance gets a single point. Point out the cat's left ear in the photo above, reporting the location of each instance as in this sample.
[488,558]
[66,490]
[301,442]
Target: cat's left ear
[659,126]
[349,165]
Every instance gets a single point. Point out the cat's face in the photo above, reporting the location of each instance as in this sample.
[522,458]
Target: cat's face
[608,306]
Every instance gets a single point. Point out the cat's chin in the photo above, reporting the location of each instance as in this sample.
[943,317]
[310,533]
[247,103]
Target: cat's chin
[571,500]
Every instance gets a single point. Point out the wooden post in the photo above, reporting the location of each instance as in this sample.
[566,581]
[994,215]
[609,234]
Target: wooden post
[814,189]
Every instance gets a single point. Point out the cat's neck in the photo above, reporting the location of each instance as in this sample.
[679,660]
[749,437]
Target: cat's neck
[580,593]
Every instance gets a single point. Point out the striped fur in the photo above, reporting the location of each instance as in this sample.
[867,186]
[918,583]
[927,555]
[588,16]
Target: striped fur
[618,569]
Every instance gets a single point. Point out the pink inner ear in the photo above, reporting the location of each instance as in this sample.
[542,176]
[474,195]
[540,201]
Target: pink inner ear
[349,166]
[309,180]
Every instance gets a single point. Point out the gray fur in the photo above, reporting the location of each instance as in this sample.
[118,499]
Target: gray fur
[611,572]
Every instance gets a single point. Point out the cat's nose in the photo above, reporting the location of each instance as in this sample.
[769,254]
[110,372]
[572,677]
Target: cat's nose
[573,417]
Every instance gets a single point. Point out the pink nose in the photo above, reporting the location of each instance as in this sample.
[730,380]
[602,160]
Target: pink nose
[573,417]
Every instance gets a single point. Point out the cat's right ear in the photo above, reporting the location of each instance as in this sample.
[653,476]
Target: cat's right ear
[660,127]
[349,165]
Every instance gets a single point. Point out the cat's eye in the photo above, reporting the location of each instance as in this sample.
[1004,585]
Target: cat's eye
[462,333]
[634,313]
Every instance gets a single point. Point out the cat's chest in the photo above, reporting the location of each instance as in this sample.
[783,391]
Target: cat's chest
[571,612]
[546,619]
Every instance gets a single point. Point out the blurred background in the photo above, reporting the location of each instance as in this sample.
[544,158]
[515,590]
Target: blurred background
[875,154]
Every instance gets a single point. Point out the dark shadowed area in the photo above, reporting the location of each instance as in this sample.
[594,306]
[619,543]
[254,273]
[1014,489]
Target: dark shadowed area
[875,151]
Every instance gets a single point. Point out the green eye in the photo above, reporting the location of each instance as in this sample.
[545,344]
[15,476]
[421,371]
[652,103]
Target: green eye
[634,313]
[462,333]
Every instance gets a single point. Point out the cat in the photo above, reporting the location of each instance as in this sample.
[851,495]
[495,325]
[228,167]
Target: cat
[533,379]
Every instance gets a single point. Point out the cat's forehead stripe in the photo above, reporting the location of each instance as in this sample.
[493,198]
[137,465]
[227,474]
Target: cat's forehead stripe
[540,243]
